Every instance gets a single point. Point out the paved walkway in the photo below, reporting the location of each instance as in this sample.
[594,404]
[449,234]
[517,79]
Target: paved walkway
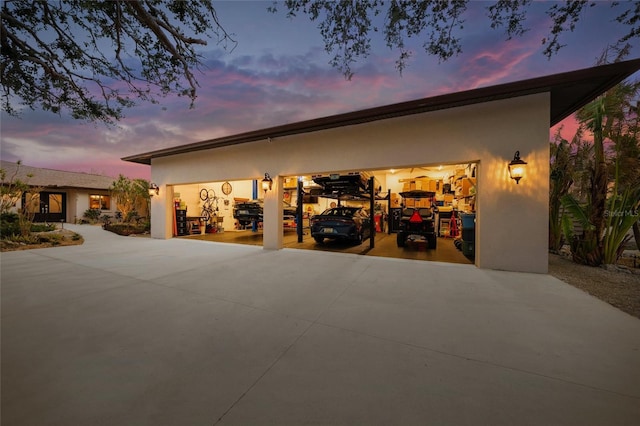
[137,331]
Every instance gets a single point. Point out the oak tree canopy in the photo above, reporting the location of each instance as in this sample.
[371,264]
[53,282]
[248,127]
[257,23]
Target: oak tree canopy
[93,59]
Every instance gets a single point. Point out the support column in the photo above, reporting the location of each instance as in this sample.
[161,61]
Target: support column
[299,211]
[272,228]
[161,210]
[372,204]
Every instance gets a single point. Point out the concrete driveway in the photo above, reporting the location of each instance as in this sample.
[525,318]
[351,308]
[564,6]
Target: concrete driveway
[137,331]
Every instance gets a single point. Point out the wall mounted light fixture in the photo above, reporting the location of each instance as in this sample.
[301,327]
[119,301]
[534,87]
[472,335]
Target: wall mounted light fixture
[153,189]
[267,182]
[517,167]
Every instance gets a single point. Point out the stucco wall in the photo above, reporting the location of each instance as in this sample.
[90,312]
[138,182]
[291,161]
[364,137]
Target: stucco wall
[512,220]
[78,202]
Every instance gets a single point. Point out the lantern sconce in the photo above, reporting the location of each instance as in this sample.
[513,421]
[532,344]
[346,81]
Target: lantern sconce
[517,167]
[267,182]
[153,189]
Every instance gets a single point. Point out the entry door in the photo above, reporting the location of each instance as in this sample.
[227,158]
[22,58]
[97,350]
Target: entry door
[52,207]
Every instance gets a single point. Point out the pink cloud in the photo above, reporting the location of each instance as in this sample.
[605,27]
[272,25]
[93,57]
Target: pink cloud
[567,127]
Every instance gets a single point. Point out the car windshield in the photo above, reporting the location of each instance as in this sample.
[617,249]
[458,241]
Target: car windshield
[340,211]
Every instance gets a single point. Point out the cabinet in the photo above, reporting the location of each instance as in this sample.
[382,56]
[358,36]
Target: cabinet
[181,222]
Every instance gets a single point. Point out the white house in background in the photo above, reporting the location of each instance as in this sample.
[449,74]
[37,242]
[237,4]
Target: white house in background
[485,126]
[64,196]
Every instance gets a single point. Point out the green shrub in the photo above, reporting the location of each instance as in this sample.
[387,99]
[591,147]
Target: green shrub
[22,239]
[132,216]
[9,224]
[50,238]
[92,214]
[125,228]
[41,227]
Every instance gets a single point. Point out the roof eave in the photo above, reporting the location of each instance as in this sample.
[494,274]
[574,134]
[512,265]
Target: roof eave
[597,79]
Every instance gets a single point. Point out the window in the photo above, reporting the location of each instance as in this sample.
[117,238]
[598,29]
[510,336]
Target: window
[55,203]
[31,202]
[102,202]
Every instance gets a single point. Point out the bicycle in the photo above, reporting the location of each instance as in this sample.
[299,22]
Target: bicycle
[210,204]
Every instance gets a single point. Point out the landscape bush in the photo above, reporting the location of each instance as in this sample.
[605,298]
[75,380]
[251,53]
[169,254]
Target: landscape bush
[41,227]
[22,239]
[92,215]
[126,228]
[9,224]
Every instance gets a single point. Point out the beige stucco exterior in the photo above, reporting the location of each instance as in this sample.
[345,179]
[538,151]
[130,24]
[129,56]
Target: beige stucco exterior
[512,220]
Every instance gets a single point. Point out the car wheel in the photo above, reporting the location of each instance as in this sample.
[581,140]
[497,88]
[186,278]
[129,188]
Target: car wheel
[433,241]
[400,239]
[359,238]
[319,240]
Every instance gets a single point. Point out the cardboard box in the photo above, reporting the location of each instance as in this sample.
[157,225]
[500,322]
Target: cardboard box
[412,186]
[448,198]
[409,202]
[290,183]
[395,200]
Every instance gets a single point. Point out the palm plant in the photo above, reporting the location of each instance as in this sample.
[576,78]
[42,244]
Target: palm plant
[561,179]
[610,211]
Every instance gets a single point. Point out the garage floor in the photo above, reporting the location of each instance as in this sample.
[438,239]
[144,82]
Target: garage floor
[385,246]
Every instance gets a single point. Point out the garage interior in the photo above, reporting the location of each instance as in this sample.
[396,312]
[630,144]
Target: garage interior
[231,211]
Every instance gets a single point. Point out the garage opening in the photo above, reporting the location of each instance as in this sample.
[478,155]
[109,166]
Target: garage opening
[425,212]
[418,212]
[229,211]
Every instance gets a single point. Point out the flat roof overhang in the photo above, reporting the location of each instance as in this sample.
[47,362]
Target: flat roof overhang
[569,92]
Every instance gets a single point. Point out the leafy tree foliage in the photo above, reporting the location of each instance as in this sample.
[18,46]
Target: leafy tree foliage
[12,190]
[128,194]
[95,57]
[561,180]
[346,25]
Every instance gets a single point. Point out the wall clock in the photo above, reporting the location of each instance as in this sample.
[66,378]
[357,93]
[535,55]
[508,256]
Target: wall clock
[226,188]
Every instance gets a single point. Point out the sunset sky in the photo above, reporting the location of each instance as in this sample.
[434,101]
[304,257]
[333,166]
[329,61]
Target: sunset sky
[279,73]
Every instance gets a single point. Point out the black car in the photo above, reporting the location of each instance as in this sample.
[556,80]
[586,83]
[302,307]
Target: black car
[354,183]
[247,211]
[417,224]
[341,223]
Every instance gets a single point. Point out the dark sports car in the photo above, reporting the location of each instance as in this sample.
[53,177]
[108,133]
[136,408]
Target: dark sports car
[247,212]
[344,223]
[355,183]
